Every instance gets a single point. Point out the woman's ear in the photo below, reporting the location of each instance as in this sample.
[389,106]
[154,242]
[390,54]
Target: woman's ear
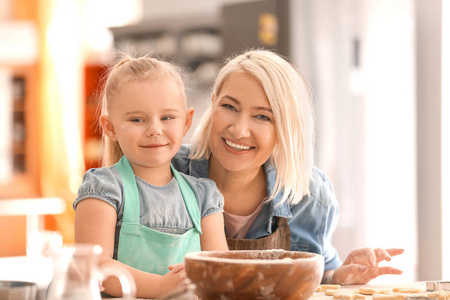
[189,117]
[108,127]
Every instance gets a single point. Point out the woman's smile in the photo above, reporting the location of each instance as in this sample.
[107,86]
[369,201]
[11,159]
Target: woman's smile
[237,147]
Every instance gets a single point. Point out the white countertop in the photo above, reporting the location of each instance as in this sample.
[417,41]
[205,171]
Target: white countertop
[32,206]
[36,269]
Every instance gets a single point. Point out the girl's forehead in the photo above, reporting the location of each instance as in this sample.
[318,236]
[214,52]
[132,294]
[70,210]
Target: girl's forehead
[151,82]
[162,93]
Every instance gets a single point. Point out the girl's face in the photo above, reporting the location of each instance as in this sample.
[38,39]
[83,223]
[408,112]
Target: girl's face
[148,119]
[243,133]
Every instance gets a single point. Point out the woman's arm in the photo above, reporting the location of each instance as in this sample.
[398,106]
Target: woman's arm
[95,223]
[213,233]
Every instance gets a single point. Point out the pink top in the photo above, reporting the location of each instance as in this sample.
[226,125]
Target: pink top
[238,226]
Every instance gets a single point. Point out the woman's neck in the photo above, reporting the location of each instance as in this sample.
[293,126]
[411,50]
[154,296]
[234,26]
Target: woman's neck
[243,190]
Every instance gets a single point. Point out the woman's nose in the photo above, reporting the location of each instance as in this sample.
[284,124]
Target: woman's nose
[240,128]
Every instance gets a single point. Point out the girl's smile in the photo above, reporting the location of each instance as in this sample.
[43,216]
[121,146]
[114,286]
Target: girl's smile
[154,146]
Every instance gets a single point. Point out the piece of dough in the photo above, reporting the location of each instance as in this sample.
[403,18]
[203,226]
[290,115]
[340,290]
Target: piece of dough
[391,296]
[384,291]
[344,295]
[331,292]
[368,291]
[325,287]
[406,290]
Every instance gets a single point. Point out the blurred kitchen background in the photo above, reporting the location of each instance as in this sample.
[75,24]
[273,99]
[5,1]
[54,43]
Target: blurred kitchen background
[377,68]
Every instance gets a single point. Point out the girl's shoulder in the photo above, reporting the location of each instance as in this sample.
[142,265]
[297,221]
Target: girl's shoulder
[107,174]
[202,186]
[209,198]
[101,183]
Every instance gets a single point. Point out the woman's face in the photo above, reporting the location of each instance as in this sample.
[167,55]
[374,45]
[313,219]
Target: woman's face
[243,133]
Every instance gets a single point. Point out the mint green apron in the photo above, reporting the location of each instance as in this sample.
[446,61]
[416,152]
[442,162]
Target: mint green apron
[146,249]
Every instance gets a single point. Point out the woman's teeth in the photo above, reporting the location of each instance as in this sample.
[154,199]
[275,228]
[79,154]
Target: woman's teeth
[236,146]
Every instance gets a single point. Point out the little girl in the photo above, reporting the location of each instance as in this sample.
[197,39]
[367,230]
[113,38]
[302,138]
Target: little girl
[144,213]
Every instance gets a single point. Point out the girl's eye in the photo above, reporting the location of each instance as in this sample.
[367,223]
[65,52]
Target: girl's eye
[137,120]
[167,118]
[263,117]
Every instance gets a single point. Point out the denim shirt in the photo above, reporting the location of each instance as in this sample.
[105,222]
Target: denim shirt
[312,221]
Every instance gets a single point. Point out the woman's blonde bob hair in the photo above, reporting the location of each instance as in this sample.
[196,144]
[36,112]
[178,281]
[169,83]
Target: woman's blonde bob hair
[129,69]
[290,99]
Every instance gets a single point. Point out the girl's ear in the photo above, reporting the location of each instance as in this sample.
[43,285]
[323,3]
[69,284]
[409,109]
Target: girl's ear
[108,127]
[189,117]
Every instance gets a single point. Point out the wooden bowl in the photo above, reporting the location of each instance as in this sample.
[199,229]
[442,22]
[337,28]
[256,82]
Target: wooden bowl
[254,274]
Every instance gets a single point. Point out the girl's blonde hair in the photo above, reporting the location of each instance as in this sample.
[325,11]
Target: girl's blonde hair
[129,69]
[290,99]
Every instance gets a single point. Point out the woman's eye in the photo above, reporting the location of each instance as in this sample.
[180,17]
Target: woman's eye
[229,106]
[263,117]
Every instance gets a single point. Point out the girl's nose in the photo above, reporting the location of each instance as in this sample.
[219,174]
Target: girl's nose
[154,129]
[240,128]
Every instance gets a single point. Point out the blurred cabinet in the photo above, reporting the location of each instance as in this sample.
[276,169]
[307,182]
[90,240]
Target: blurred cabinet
[198,48]
[257,24]
[23,180]
[22,163]
[92,131]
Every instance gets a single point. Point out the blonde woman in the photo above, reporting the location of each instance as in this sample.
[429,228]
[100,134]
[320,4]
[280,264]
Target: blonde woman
[256,143]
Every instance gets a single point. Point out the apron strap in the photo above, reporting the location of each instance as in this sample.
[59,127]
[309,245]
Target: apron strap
[189,199]
[132,210]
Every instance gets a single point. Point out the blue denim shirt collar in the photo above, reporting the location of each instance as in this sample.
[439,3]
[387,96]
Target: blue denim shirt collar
[200,168]
[279,210]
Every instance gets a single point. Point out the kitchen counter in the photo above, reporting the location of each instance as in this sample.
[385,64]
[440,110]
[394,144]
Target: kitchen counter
[39,269]
[36,269]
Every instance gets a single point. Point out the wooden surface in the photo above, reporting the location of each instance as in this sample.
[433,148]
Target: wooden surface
[420,285]
[321,295]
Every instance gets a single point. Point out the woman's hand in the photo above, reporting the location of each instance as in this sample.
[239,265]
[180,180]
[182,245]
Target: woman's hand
[361,266]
